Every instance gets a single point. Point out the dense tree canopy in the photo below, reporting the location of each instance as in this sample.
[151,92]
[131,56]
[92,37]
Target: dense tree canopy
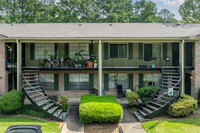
[82,11]
[190,11]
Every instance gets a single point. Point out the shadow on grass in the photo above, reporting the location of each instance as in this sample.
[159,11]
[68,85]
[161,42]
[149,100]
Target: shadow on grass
[156,124]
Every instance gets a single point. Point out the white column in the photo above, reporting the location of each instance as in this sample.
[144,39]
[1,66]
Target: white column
[19,56]
[181,60]
[100,67]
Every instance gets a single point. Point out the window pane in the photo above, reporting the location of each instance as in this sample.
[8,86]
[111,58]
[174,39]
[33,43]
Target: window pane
[122,51]
[40,47]
[156,50]
[78,81]
[49,84]
[147,52]
[112,81]
[76,47]
[123,80]
[151,80]
[118,79]
[113,51]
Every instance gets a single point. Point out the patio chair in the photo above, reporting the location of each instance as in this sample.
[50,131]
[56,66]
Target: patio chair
[120,93]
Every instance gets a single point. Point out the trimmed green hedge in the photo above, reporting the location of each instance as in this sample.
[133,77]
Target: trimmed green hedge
[146,93]
[12,101]
[132,98]
[100,109]
[185,106]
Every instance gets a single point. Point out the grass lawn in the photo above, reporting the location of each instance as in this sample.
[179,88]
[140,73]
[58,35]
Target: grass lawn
[174,126]
[47,126]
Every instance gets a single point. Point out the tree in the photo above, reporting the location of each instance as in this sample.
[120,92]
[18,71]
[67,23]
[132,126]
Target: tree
[144,12]
[190,11]
[166,17]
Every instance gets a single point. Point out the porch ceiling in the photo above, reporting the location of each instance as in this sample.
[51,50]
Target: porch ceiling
[100,30]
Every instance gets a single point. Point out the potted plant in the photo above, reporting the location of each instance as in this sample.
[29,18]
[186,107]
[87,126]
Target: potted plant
[90,61]
[95,64]
[45,55]
[79,56]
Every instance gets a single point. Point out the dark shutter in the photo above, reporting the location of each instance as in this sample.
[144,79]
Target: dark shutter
[189,53]
[164,51]
[130,51]
[56,82]
[32,50]
[114,50]
[148,52]
[140,54]
[105,51]
[130,78]
[91,81]
[66,79]
[91,49]
[106,82]
[140,80]
[67,49]
[56,48]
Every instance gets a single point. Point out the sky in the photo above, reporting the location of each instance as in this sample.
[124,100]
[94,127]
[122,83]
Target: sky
[171,5]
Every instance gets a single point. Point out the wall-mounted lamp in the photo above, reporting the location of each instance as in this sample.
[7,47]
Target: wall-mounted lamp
[191,77]
[91,42]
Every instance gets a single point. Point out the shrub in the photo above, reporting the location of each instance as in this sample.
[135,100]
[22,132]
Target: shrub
[30,110]
[199,95]
[100,109]
[146,93]
[132,98]
[185,106]
[64,101]
[11,101]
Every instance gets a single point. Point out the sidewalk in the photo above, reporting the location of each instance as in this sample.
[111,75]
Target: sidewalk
[72,122]
[130,124]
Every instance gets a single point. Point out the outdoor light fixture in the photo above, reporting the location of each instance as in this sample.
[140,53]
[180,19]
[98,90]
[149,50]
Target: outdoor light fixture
[191,77]
[91,42]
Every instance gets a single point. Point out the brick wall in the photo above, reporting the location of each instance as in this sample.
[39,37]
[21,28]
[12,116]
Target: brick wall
[3,72]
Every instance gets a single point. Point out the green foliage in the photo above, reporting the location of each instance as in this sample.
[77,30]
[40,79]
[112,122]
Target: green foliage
[30,110]
[100,109]
[185,106]
[64,101]
[190,11]
[199,95]
[78,11]
[146,93]
[132,98]
[11,101]
[166,17]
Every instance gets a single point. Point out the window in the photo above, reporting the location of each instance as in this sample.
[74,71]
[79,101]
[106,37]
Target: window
[76,47]
[118,50]
[39,50]
[78,81]
[147,52]
[151,80]
[118,79]
[49,84]
[156,51]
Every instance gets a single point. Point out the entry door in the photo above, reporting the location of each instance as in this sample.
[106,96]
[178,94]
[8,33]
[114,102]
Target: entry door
[23,55]
[187,84]
[10,82]
[175,54]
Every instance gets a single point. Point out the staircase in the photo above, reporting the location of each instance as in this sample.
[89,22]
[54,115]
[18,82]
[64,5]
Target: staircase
[37,96]
[170,78]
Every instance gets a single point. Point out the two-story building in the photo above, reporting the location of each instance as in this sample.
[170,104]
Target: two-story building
[73,58]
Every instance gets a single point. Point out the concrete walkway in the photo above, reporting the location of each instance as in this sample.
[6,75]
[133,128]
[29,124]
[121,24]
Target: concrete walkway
[72,122]
[130,124]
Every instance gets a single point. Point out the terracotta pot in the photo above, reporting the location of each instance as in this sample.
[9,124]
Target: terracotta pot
[90,64]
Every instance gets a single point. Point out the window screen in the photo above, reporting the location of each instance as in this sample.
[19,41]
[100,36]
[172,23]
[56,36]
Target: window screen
[118,79]
[118,50]
[49,84]
[151,80]
[78,81]
[156,51]
[39,50]
[76,47]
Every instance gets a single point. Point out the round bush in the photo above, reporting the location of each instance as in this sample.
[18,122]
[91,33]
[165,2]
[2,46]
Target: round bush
[185,106]
[132,98]
[11,101]
[147,93]
[100,109]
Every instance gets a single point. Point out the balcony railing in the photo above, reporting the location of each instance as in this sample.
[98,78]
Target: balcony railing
[135,63]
